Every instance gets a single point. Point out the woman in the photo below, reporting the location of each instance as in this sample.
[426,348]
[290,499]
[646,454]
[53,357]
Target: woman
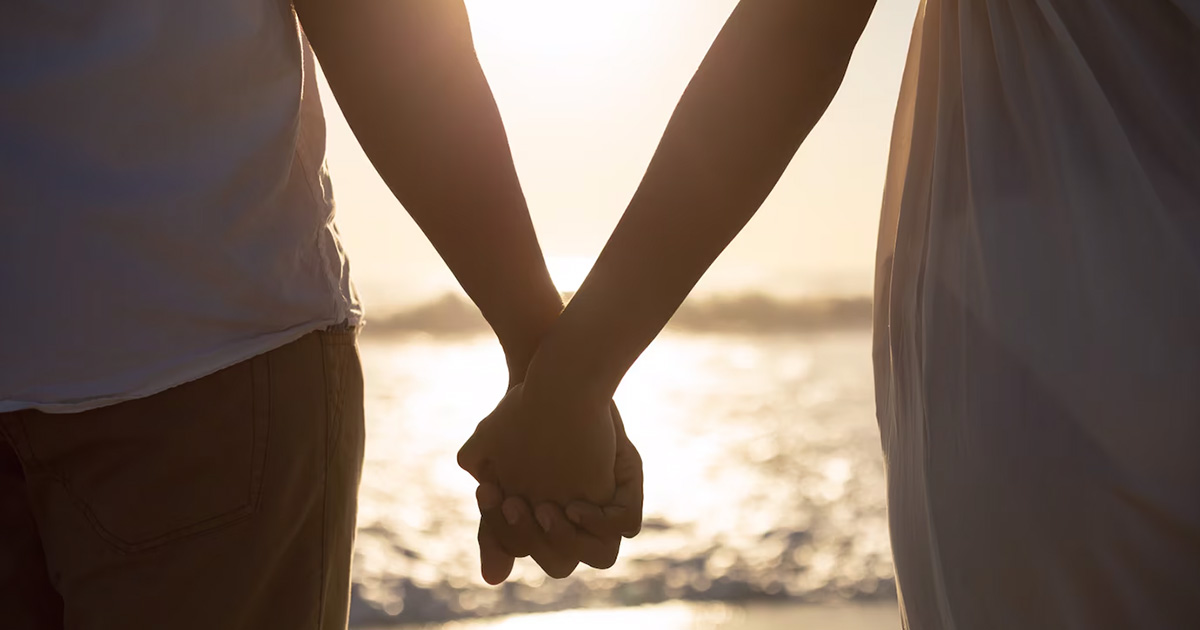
[1037,296]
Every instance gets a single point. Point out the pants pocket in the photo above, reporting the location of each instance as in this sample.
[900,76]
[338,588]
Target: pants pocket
[177,464]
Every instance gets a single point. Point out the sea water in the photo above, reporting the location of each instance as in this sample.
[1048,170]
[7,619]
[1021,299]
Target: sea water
[764,478]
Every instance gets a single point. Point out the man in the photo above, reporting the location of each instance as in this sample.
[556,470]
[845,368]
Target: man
[181,421]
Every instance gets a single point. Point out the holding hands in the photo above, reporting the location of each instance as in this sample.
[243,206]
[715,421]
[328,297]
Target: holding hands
[559,481]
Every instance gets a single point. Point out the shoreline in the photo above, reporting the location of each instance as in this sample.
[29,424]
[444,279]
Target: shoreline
[681,615]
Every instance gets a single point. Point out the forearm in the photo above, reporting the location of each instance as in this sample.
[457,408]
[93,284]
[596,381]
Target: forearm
[407,79]
[765,83]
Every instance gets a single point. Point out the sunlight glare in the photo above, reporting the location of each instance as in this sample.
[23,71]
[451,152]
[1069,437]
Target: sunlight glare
[564,37]
[568,272]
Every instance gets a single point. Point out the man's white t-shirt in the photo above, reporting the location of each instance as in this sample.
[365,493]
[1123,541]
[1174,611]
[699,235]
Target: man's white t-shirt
[165,210]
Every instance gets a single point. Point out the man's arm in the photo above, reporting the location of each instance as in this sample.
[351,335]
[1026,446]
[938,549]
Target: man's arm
[763,85]
[406,77]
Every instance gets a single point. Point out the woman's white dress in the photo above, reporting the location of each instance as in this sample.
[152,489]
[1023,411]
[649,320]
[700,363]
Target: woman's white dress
[1037,342]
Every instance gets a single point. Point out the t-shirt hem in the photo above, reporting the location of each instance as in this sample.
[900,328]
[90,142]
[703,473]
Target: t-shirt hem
[192,371]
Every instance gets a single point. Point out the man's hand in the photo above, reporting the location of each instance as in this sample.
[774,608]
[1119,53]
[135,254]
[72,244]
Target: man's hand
[545,447]
[558,541]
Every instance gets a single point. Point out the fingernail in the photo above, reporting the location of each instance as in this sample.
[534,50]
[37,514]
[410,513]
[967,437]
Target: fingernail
[544,520]
[574,514]
[511,513]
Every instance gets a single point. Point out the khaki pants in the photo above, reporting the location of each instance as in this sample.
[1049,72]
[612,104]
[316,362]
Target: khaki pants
[224,503]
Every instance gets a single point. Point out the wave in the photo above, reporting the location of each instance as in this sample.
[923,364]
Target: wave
[755,313]
[758,313]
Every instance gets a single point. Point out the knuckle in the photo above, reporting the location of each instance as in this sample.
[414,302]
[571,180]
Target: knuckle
[517,552]
[465,459]
[513,546]
[563,544]
[493,520]
[517,547]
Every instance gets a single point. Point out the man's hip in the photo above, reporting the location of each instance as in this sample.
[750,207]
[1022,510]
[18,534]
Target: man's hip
[226,502]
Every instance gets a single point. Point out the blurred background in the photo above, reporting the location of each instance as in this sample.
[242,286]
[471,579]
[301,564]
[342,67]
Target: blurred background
[754,412]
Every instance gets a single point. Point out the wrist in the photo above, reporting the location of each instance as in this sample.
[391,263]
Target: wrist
[520,341]
[568,372]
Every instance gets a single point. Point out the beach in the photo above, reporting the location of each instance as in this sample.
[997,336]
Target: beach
[764,482]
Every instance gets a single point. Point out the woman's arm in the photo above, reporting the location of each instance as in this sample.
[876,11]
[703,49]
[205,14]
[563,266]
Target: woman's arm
[765,82]
[763,85]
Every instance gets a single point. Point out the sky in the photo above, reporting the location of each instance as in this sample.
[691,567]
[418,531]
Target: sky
[585,90]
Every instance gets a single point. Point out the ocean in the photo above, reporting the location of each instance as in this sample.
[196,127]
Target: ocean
[764,474]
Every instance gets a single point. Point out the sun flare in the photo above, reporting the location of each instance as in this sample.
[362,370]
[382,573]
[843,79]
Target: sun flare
[545,36]
[568,272]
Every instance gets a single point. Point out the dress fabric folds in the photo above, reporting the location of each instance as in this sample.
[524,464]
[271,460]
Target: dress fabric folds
[1037,324]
